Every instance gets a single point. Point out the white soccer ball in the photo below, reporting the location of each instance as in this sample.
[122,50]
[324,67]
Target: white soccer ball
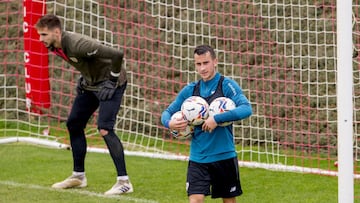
[221,105]
[195,109]
[185,134]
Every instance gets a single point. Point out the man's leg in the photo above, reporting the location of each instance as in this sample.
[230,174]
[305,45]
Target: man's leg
[84,106]
[108,111]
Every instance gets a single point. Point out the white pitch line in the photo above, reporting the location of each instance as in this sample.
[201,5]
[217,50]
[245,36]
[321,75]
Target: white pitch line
[76,191]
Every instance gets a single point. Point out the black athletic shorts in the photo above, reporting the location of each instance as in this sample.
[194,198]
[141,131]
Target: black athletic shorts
[221,179]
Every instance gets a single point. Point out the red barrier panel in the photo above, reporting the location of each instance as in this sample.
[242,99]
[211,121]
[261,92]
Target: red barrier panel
[36,60]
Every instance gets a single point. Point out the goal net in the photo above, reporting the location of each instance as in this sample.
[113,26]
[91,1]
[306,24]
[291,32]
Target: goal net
[282,53]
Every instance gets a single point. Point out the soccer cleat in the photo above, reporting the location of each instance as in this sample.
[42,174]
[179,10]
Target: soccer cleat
[71,182]
[120,187]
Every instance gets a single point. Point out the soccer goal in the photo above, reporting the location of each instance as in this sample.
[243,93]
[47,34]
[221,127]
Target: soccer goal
[282,53]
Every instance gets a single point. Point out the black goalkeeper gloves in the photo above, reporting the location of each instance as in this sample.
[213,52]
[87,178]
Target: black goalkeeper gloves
[108,89]
[79,86]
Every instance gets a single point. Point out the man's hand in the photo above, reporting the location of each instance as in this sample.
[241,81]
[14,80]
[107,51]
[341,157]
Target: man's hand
[209,125]
[178,124]
[107,90]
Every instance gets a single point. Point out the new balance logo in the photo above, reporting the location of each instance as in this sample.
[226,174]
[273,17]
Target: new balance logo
[233,189]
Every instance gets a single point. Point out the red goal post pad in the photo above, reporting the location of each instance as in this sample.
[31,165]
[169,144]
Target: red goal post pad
[37,85]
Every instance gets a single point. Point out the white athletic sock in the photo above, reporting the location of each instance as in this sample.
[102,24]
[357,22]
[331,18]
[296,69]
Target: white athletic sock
[122,178]
[82,174]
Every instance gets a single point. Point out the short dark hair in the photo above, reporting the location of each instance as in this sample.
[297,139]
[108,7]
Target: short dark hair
[49,21]
[202,49]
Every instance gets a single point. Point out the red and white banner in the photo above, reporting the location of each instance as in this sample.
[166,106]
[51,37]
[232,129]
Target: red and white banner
[36,59]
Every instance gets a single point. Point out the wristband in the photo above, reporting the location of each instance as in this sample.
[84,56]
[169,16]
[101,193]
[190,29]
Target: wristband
[114,76]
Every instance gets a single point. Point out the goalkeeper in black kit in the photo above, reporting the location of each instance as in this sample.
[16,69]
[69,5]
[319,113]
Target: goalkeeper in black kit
[101,86]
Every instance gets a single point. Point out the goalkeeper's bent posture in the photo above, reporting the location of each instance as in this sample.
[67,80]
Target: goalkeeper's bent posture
[101,85]
[213,164]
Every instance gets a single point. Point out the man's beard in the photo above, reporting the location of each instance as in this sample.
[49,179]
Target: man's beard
[51,47]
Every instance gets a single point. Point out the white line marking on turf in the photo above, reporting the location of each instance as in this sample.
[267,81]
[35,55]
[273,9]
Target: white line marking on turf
[75,191]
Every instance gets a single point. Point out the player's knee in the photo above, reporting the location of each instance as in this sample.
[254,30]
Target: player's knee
[69,124]
[72,125]
[103,132]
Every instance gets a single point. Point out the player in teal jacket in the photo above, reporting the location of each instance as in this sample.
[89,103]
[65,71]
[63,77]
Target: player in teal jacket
[213,159]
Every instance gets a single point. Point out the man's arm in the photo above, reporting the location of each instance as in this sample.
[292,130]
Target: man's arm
[243,107]
[176,104]
[91,48]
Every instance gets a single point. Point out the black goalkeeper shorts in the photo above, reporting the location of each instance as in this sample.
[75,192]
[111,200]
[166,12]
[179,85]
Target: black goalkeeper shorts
[221,179]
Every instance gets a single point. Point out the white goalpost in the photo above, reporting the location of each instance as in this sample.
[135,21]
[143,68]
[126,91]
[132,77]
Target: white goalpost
[297,61]
[345,102]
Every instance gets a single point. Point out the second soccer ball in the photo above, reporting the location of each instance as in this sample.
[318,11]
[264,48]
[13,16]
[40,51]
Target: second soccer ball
[195,109]
[221,105]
